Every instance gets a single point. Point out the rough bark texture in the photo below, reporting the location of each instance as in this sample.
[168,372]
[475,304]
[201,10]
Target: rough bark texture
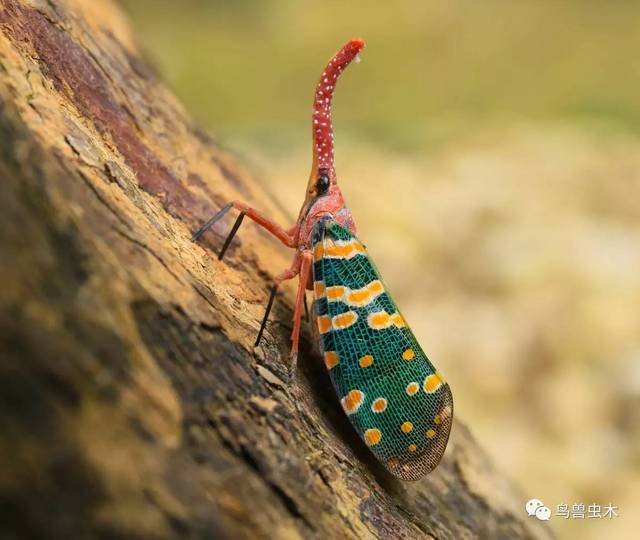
[132,401]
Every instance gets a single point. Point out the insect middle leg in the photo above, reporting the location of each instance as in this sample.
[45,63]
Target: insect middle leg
[303,276]
[283,276]
[300,267]
[287,237]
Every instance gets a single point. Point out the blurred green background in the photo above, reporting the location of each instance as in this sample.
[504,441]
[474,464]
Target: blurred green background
[490,152]
[436,69]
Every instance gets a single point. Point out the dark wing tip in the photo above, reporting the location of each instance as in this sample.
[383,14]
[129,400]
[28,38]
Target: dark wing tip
[415,467]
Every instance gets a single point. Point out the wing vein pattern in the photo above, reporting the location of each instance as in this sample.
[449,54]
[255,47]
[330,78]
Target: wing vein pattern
[397,401]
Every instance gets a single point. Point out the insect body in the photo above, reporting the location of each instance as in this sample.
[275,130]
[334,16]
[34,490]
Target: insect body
[396,400]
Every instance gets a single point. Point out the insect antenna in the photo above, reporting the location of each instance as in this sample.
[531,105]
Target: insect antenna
[216,217]
[272,297]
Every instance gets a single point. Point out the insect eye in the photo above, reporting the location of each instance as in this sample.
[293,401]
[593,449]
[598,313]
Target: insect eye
[322,184]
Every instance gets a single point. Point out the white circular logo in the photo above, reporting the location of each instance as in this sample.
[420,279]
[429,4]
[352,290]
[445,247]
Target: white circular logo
[543,513]
[532,506]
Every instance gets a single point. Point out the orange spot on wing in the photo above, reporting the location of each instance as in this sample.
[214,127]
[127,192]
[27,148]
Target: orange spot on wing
[331,359]
[365,295]
[344,250]
[372,436]
[358,297]
[352,401]
[431,434]
[324,324]
[382,319]
[318,289]
[408,354]
[335,293]
[406,427]
[378,320]
[344,320]
[318,251]
[338,251]
[376,287]
[379,405]
[366,361]
[412,448]
[412,388]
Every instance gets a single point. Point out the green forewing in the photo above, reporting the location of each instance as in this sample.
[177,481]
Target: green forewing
[395,398]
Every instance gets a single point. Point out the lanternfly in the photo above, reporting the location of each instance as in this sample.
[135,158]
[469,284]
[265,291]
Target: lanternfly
[397,401]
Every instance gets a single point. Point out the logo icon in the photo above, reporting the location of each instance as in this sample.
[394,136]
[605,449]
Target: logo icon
[536,508]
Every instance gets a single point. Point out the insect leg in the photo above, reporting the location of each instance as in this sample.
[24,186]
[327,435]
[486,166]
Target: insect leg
[287,237]
[274,290]
[233,232]
[287,274]
[305,269]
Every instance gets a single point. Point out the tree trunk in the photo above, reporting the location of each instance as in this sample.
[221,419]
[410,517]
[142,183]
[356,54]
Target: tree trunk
[132,400]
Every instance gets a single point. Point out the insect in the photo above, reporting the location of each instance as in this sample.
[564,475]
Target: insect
[397,401]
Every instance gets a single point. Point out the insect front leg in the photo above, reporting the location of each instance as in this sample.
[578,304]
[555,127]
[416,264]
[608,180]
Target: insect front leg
[287,237]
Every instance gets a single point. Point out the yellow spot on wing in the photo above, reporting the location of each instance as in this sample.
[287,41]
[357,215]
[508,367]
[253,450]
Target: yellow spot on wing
[412,448]
[431,434]
[372,436]
[331,359]
[379,405]
[406,427]
[352,401]
[432,383]
[408,354]
[344,320]
[397,319]
[366,361]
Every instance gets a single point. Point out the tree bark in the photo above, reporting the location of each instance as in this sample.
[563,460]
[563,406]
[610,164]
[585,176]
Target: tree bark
[132,401]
